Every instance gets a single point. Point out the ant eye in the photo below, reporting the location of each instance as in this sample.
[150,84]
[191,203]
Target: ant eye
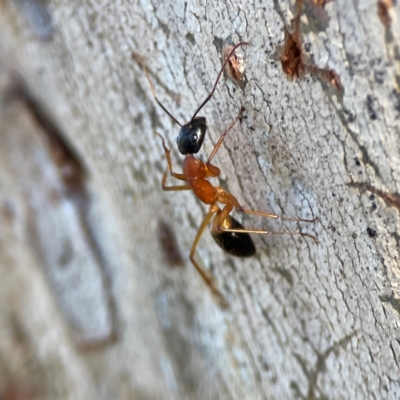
[194,138]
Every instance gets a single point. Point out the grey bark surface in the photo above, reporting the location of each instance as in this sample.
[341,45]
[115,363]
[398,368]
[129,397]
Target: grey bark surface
[90,308]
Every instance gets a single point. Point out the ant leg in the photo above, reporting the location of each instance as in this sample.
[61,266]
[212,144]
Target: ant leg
[230,201]
[208,280]
[172,188]
[221,139]
[167,153]
[223,216]
[274,216]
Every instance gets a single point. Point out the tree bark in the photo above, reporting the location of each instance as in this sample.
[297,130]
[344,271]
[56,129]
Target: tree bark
[99,301]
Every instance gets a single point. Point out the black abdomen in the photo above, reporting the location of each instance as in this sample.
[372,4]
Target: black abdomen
[235,243]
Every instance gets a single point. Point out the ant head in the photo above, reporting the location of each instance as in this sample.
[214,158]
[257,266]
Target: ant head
[191,136]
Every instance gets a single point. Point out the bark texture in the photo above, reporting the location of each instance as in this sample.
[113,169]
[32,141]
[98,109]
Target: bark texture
[97,301]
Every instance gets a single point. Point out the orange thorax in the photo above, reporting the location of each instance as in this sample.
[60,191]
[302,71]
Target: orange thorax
[196,173]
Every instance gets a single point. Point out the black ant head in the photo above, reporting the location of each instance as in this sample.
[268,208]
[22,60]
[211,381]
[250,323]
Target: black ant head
[191,136]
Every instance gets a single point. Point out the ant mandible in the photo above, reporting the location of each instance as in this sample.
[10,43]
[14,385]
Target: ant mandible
[228,233]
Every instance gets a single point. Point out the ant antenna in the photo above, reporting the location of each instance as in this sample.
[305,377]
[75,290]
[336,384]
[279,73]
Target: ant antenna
[139,58]
[219,76]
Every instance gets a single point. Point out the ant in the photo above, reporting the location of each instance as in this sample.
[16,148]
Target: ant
[228,233]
